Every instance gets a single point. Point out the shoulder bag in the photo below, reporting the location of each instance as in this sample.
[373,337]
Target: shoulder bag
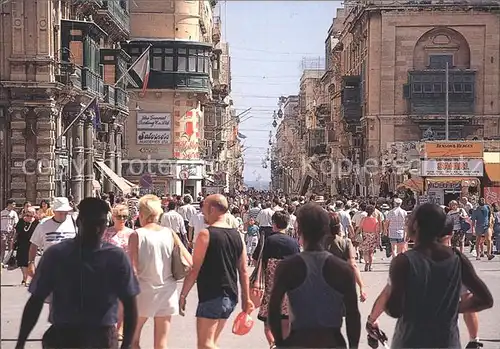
[180,267]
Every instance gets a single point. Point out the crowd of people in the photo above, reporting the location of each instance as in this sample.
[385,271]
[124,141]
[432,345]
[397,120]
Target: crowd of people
[109,264]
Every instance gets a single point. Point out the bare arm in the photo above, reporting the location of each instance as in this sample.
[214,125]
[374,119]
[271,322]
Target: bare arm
[200,250]
[481,296]
[397,272]
[133,250]
[274,308]
[379,305]
[352,315]
[244,281]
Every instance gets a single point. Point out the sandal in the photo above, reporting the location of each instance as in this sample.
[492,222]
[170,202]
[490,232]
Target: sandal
[366,267]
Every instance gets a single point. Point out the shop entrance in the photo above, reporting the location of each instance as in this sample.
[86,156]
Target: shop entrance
[451,194]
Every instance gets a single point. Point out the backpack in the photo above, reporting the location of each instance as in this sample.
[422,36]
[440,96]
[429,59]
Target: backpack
[341,250]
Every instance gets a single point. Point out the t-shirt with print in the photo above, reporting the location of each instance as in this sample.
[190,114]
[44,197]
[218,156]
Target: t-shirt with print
[50,232]
[8,220]
[253,230]
[85,284]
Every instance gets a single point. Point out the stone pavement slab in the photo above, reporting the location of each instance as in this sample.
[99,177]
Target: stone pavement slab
[183,330]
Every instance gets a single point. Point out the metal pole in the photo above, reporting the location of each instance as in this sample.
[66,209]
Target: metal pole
[447,103]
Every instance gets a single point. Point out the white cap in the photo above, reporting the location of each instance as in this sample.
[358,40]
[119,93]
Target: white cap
[61,204]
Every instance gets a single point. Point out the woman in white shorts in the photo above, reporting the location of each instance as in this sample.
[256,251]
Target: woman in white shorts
[150,249]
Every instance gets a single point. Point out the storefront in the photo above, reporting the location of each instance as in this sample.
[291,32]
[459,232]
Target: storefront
[452,170]
[491,180]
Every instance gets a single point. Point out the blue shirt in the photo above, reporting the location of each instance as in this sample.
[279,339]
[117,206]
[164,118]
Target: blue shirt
[481,217]
[85,284]
[253,230]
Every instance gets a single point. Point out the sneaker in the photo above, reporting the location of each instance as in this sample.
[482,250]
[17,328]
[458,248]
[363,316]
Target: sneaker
[474,345]
[491,256]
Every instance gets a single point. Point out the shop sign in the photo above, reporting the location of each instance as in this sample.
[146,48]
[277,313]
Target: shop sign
[453,168]
[154,121]
[149,150]
[472,150]
[153,137]
[492,195]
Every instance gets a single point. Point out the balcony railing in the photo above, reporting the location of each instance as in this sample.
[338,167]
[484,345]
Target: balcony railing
[121,98]
[109,94]
[117,13]
[92,81]
[69,74]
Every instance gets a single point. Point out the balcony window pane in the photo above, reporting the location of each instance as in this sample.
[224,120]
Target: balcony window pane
[181,51]
[169,50]
[207,65]
[200,64]
[427,88]
[438,88]
[457,88]
[192,52]
[192,63]
[169,63]
[417,88]
[181,63]
[157,50]
[439,61]
[134,50]
[156,63]
[468,88]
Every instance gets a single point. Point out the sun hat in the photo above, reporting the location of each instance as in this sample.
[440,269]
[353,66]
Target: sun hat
[61,204]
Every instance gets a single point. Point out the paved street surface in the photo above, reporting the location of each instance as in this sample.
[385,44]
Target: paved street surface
[183,332]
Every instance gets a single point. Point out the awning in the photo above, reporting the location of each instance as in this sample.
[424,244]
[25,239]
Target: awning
[130,183]
[493,172]
[463,181]
[119,182]
[415,184]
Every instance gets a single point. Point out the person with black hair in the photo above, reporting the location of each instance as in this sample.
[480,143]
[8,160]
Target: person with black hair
[321,290]
[277,247]
[426,278]
[86,278]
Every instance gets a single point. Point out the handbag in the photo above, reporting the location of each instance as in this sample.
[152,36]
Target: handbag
[12,261]
[180,267]
[257,279]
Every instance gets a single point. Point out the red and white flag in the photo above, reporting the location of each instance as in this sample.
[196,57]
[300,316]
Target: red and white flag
[141,68]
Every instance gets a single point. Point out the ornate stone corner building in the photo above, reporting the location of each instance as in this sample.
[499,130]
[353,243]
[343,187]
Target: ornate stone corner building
[55,57]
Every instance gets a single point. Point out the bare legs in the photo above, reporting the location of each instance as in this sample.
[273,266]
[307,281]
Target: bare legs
[161,329]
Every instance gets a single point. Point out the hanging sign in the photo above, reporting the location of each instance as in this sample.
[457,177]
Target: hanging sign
[453,167]
[472,150]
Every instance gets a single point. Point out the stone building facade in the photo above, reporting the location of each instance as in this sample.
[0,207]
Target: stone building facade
[56,57]
[388,63]
[165,133]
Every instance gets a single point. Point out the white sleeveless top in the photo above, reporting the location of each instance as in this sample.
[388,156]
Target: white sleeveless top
[154,267]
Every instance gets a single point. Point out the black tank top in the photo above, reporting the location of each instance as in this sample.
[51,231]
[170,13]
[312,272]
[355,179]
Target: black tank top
[218,275]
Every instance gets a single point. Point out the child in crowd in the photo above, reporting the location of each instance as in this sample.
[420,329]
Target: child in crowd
[252,239]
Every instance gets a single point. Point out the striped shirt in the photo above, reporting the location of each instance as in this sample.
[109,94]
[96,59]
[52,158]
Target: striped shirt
[397,221]
[133,206]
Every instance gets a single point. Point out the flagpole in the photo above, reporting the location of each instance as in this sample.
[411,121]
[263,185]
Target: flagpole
[133,65]
[76,118]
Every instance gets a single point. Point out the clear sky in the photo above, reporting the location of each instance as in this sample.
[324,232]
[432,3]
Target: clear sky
[268,42]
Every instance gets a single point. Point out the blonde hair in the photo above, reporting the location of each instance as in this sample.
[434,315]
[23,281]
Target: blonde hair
[150,208]
[123,209]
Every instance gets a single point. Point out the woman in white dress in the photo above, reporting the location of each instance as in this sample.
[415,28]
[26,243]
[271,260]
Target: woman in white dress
[150,249]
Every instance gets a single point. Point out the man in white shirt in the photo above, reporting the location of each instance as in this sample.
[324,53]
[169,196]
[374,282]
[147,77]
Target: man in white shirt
[196,224]
[173,220]
[8,222]
[277,205]
[345,219]
[396,222]
[52,231]
[187,210]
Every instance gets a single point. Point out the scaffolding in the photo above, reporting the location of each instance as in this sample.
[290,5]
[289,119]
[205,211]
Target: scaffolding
[312,63]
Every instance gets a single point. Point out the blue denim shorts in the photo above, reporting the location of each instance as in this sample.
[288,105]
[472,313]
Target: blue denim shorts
[396,240]
[217,308]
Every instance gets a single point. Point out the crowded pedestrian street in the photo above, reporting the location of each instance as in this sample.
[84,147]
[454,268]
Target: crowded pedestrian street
[183,330]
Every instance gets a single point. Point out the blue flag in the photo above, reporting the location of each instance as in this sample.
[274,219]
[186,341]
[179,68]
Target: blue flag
[96,118]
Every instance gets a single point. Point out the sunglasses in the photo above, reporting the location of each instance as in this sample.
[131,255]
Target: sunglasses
[121,217]
[29,215]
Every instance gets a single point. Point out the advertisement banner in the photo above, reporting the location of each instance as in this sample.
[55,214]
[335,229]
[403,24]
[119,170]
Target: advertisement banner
[153,137]
[492,195]
[471,150]
[154,121]
[452,168]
